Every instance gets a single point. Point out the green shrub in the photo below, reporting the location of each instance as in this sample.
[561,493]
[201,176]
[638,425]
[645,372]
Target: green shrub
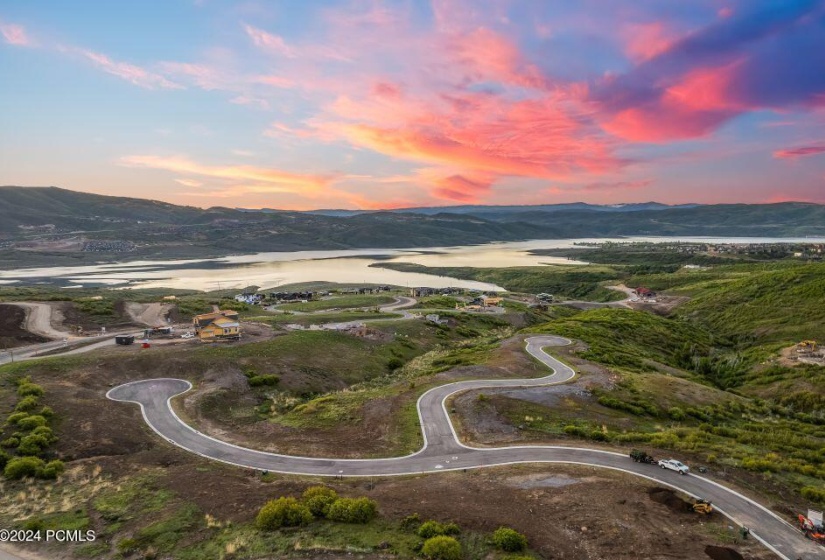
[430,529]
[51,470]
[127,546]
[46,412]
[10,442]
[26,404]
[27,388]
[21,467]
[45,432]
[442,548]
[283,512]
[410,521]
[318,499]
[262,380]
[394,363]
[34,524]
[4,458]
[352,510]
[32,445]
[452,529]
[676,413]
[16,417]
[759,465]
[814,494]
[31,422]
[572,430]
[509,540]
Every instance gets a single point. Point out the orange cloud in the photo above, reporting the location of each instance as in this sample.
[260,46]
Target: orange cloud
[14,34]
[189,182]
[479,133]
[273,179]
[129,72]
[461,189]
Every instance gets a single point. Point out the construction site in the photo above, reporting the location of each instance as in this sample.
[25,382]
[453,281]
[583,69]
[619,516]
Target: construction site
[809,352]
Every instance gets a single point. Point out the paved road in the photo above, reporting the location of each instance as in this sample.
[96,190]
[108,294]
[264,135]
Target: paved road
[443,451]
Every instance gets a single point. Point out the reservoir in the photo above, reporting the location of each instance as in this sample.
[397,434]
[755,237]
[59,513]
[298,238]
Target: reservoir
[273,269]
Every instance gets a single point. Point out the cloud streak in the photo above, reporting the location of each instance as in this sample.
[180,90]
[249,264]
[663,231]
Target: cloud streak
[275,179]
[132,73]
[802,151]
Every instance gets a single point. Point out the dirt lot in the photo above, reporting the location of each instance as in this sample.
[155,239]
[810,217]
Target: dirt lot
[12,333]
[74,317]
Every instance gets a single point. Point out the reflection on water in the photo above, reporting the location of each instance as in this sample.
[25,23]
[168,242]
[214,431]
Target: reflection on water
[350,266]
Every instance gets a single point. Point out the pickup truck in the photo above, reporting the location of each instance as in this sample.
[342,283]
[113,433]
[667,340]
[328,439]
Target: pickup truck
[674,465]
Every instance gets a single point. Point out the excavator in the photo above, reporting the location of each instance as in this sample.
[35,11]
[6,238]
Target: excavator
[703,507]
[812,526]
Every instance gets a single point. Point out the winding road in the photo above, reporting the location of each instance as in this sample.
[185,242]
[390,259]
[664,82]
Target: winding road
[442,451]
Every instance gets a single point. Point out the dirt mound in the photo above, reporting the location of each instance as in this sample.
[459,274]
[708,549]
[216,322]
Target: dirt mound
[722,553]
[668,497]
[12,333]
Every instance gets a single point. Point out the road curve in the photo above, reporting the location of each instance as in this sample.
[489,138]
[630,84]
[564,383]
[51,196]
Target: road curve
[443,451]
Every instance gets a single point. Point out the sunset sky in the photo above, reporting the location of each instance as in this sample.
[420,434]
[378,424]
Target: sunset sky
[355,104]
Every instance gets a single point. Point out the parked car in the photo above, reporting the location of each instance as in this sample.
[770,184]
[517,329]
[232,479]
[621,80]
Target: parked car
[674,465]
[188,335]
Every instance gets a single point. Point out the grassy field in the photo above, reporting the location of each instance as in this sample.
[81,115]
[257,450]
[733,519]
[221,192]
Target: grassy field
[321,318]
[339,302]
[570,282]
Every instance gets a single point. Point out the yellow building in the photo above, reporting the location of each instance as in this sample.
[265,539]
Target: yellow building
[220,324]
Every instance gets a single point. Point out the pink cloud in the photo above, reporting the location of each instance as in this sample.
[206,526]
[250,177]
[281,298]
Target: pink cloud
[129,72]
[802,151]
[14,34]
[250,101]
[646,40]
[692,107]
[483,54]
[274,81]
[202,75]
[270,42]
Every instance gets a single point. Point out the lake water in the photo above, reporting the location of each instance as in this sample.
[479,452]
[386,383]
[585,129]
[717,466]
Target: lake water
[270,270]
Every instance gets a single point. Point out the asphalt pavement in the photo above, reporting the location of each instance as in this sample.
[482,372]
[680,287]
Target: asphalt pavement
[442,451]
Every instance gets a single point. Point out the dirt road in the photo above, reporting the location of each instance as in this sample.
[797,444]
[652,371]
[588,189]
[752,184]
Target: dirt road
[39,319]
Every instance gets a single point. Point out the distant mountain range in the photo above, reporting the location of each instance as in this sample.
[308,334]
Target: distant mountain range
[497,210]
[53,225]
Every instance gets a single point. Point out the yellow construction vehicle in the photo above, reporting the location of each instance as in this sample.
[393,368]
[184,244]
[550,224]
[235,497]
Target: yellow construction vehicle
[703,507]
[806,347]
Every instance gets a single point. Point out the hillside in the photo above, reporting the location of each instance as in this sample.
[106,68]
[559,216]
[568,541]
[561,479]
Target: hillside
[49,225]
